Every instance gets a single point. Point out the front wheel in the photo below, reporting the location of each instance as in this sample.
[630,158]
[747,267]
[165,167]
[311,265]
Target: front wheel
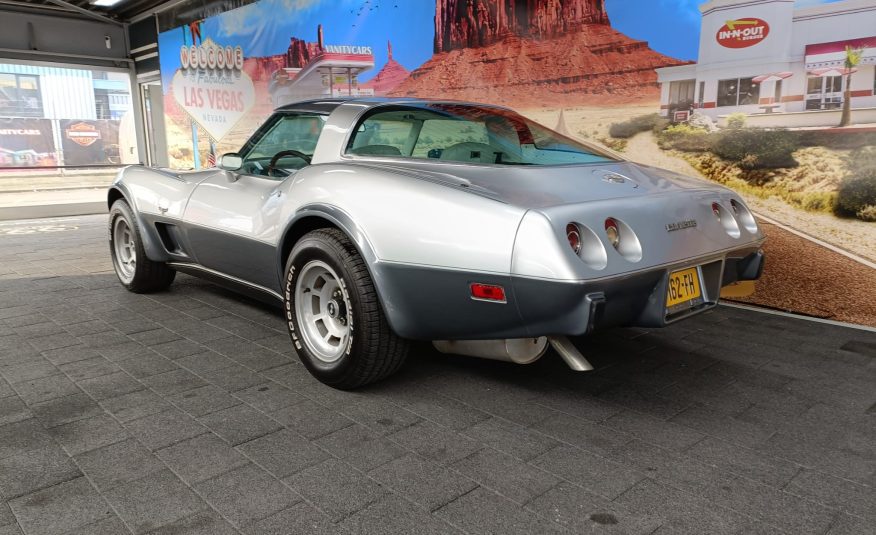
[333,314]
[136,272]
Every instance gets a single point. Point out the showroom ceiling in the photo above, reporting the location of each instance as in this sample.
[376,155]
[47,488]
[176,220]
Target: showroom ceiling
[121,11]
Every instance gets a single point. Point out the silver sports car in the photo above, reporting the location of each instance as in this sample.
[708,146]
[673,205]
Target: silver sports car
[377,222]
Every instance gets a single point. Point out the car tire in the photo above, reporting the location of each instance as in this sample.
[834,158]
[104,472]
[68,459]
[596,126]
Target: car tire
[333,314]
[135,271]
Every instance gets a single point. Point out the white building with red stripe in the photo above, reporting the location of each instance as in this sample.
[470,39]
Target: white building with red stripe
[779,65]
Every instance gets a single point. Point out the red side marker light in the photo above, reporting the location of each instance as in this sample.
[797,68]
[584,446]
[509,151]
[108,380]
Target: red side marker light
[487,292]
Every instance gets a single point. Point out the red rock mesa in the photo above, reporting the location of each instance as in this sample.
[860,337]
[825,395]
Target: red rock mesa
[534,53]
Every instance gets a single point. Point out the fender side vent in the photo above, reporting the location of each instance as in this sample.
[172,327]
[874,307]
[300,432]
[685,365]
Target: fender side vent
[169,235]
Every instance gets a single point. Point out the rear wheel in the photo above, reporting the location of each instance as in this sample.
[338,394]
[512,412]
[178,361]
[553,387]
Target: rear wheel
[333,314]
[135,271]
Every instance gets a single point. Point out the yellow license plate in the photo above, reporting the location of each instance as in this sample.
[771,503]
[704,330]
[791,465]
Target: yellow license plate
[684,287]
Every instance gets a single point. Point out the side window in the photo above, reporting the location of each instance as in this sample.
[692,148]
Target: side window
[438,134]
[295,133]
[378,136]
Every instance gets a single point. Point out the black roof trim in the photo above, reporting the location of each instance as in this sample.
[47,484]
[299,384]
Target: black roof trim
[322,105]
[327,105]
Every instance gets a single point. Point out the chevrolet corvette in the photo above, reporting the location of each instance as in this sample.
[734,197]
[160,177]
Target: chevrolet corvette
[376,222]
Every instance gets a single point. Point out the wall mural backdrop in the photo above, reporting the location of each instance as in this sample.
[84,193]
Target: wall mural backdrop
[637,77]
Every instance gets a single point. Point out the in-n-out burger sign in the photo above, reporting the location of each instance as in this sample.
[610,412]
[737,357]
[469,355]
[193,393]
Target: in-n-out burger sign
[742,33]
[211,56]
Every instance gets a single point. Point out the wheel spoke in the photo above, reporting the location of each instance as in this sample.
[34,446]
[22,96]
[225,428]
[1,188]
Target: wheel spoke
[318,306]
[125,249]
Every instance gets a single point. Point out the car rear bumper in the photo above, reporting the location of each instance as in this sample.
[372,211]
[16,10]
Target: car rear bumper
[434,304]
[638,299]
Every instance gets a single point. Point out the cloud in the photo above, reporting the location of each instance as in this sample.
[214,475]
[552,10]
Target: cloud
[250,20]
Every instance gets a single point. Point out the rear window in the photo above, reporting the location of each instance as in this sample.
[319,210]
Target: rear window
[466,133]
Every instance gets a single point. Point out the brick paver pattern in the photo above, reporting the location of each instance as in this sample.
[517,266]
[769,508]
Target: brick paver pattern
[188,412]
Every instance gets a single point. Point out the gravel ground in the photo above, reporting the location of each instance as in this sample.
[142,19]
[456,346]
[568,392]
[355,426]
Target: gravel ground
[858,237]
[807,278]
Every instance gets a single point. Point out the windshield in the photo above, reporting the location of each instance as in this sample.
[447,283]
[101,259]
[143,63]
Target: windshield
[466,133]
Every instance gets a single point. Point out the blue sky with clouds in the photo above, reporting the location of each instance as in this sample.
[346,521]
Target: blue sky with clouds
[670,26]
[648,20]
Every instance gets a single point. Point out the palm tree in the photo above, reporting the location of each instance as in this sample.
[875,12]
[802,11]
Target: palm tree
[853,58]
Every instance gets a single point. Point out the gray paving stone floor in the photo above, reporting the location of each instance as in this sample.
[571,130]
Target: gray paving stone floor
[188,412]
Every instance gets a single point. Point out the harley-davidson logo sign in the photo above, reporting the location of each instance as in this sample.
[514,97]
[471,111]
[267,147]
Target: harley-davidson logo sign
[83,134]
[742,33]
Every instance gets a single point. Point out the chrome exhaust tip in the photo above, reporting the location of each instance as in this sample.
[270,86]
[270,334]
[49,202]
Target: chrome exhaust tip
[570,354]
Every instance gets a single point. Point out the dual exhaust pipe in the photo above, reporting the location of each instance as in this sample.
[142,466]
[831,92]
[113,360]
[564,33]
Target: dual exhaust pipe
[517,350]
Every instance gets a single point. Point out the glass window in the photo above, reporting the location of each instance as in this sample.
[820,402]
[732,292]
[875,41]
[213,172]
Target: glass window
[749,92]
[728,92]
[20,95]
[440,133]
[466,133]
[738,92]
[681,94]
[295,135]
[833,84]
[382,137]
[824,92]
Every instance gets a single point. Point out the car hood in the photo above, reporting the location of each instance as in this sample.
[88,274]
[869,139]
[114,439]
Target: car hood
[543,187]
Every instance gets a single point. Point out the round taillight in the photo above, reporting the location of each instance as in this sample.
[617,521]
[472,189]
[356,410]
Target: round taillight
[727,220]
[587,245]
[716,209]
[573,234]
[623,239]
[612,232]
[744,215]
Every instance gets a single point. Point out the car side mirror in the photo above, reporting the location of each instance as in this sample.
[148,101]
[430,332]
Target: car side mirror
[230,162]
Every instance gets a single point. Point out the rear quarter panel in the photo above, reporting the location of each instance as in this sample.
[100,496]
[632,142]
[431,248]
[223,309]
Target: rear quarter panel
[411,221]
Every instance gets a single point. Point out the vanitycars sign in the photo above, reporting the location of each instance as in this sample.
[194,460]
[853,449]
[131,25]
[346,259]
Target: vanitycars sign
[743,33]
[212,87]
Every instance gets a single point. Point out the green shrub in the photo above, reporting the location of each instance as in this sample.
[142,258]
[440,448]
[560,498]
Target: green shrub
[861,159]
[642,123]
[685,138]
[736,121]
[619,145]
[856,194]
[836,139]
[753,148]
[818,201]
